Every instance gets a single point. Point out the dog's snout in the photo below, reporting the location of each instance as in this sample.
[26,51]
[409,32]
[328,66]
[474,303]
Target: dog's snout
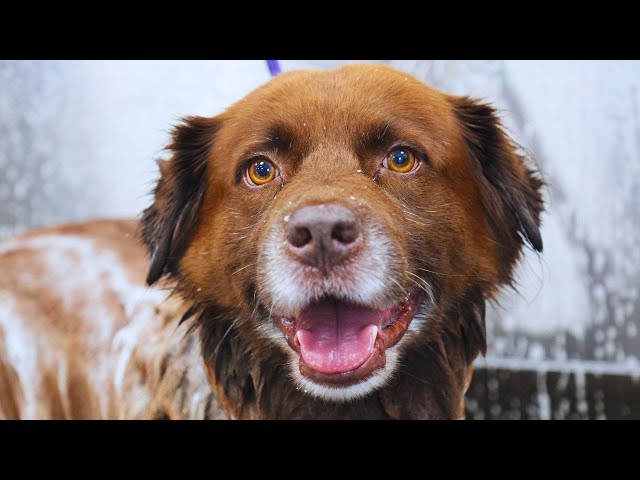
[322,235]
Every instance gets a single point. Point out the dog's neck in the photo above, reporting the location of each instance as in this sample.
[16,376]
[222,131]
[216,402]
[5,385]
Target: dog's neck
[430,382]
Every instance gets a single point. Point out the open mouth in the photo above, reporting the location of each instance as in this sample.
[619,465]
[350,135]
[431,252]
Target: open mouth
[341,343]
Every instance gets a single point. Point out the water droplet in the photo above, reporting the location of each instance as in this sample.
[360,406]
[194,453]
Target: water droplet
[358,171]
[286,218]
[351,197]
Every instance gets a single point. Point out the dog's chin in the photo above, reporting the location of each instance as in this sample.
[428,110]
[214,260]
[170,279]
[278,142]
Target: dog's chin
[342,351]
[345,393]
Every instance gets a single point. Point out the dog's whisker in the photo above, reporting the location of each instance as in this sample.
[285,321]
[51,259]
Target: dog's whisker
[399,286]
[253,225]
[230,211]
[422,380]
[242,268]
[406,211]
[422,284]
[224,336]
[447,274]
[420,223]
[271,307]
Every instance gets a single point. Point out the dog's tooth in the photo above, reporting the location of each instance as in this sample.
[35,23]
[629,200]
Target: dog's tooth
[296,340]
[374,333]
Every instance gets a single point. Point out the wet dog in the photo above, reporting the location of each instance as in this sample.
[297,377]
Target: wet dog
[330,241]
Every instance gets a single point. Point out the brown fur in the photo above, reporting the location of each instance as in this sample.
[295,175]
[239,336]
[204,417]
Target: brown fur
[459,223]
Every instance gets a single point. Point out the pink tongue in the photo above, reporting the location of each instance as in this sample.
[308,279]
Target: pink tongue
[336,337]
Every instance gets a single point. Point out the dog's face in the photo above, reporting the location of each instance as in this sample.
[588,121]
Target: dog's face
[339,213]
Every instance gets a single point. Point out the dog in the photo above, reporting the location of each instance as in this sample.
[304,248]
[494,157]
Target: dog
[324,248]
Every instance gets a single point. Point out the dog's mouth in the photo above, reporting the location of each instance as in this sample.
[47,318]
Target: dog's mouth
[340,343]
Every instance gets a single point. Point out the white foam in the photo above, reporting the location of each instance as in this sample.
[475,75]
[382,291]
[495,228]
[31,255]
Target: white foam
[22,352]
[82,276]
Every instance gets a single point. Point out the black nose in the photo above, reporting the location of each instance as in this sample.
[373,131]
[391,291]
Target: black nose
[323,235]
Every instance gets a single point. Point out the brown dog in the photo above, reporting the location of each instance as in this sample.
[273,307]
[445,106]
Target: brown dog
[331,240]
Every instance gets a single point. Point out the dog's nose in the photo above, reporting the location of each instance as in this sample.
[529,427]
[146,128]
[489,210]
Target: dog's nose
[322,235]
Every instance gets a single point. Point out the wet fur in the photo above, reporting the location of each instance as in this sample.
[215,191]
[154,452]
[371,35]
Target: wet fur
[475,248]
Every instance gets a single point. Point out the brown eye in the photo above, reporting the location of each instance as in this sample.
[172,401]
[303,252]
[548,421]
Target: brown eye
[400,160]
[261,171]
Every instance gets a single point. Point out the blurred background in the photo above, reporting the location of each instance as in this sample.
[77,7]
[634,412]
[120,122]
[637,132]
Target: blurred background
[78,140]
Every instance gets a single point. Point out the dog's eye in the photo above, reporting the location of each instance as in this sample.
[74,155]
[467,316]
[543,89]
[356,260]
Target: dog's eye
[261,171]
[400,160]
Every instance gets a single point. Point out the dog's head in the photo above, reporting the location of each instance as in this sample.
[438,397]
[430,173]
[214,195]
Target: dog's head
[341,216]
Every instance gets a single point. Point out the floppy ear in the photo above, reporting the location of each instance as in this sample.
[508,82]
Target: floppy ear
[511,191]
[167,225]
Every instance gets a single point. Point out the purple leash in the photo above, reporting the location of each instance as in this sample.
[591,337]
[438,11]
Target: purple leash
[274,67]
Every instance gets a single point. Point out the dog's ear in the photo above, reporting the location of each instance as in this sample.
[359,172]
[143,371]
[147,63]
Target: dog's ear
[511,191]
[167,225]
